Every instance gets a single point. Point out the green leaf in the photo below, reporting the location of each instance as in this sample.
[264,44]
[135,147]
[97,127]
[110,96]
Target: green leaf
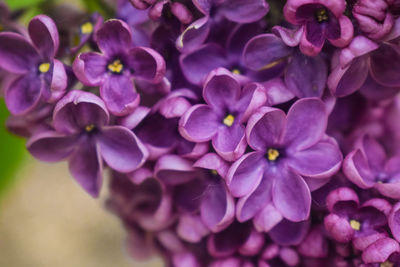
[17,4]
[12,151]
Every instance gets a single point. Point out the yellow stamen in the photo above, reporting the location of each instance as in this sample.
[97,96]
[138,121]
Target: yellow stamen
[272,154]
[272,64]
[214,172]
[89,128]
[229,120]
[322,15]
[116,66]
[236,71]
[87,28]
[386,264]
[356,225]
[44,67]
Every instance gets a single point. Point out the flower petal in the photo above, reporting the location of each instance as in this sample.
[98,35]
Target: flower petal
[306,123]
[44,35]
[114,37]
[244,11]
[86,167]
[147,64]
[90,68]
[51,146]
[291,196]
[24,94]
[265,128]
[230,142]
[383,73]
[289,233]
[17,55]
[118,92]
[245,174]
[121,149]
[319,161]
[199,123]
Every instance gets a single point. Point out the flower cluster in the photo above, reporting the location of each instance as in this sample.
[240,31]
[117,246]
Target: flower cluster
[236,132]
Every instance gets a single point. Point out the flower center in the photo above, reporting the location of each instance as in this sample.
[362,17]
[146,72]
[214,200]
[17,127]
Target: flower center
[272,154]
[115,66]
[229,120]
[322,15]
[87,28]
[89,128]
[356,225]
[44,67]
[214,172]
[386,264]
[236,71]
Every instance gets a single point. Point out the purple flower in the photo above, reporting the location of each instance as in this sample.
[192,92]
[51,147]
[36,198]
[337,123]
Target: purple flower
[221,118]
[276,256]
[319,20]
[87,30]
[199,189]
[304,76]
[384,252]
[38,75]
[240,11]
[287,149]
[83,135]
[374,17]
[362,66]
[348,221]
[368,166]
[114,69]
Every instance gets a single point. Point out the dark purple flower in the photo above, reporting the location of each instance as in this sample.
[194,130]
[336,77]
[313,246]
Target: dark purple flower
[319,20]
[221,119]
[114,69]
[368,166]
[87,31]
[348,221]
[39,77]
[304,76]
[83,135]
[240,11]
[362,65]
[287,148]
[199,189]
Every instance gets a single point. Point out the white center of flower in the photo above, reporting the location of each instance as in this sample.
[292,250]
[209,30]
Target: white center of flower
[356,225]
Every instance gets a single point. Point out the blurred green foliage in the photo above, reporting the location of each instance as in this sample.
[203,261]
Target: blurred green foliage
[12,151]
[17,4]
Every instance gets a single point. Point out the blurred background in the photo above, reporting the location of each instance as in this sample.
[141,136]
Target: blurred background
[46,219]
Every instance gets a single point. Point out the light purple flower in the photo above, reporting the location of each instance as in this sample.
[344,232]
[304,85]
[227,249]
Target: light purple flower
[287,149]
[319,20]
[221,119]
[114,69]
[39,77]
[83,135]
[368,166]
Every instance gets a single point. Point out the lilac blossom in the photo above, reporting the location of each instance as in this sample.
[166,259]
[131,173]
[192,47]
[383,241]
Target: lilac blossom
[39,76]
[240,11]
[221,119]
[114,68]
[368,166]
[83,135]
[319,20]
[287,148]
[350,221]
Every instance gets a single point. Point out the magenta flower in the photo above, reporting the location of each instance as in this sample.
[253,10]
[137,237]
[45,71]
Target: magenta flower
[39,76]
[114,69]
[348,221]
[319,20]
[221,118]
[287,149]
[83,135]
[368,166]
